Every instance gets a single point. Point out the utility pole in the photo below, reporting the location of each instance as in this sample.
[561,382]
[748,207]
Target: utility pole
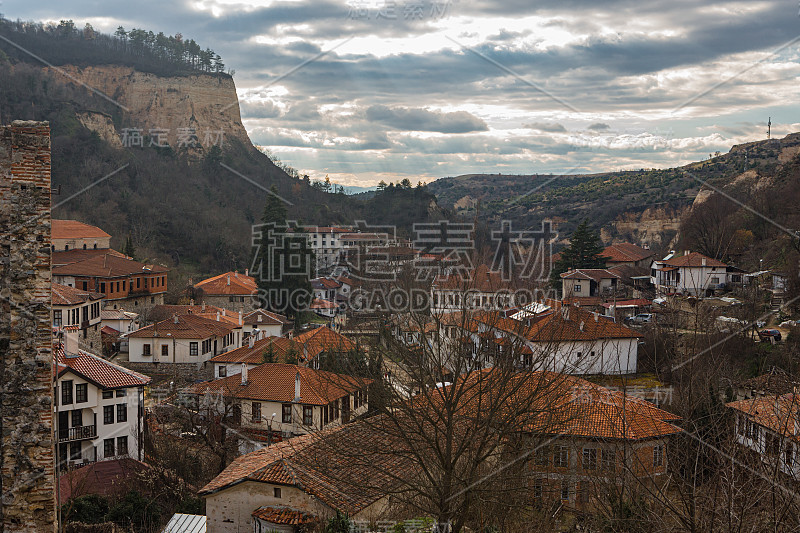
[769,127]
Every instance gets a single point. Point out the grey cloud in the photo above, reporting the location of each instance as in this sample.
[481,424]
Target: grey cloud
[417,119]
[599,126]
[551,127]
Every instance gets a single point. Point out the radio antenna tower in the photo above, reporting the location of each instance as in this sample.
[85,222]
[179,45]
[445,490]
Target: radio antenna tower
[769,127]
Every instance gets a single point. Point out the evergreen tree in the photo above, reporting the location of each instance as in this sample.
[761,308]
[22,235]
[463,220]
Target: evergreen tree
[584,251]
[292,356]
[129,249]
[269,355]
[286,260]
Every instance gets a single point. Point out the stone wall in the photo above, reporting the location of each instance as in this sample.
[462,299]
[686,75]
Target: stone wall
[27,478]
[182,373]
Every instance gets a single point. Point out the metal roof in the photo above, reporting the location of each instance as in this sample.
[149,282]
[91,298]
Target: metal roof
[186,523]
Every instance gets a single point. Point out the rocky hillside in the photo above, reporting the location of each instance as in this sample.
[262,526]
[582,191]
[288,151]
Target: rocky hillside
[203,102]
[645,206]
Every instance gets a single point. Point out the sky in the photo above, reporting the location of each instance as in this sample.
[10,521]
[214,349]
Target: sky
[372,90]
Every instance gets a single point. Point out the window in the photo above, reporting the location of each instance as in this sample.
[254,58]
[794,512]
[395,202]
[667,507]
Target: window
[192,348]
[108,414]
[138,282]
[715,281]
[122,412]
[565,489]
[223,371]
[276,492]
[580,354]
[75,451]
[583,492]
[788,456]
[609,459]
[122,445]
[538,487]
[57,317]
[741,426]
[146,349]
[287,413]
[108,394]
[77,418]
[164,350]
[256,412]
[103,288]
[589,458]
[81,393]
[577,288]
[308,415]
[108,448]
[542,456]
[561,457]
[121,393]
[66,392]
[658,455]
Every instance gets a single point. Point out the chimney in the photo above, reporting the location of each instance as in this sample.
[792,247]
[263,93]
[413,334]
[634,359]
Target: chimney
[244,373]
[581,325]
[191,302]
[203,307]
[703,261]
[240,318]
[596,317]
[175,319]
[236,273]
[297,387]
[252,340]
[229,279]
[217,316]
[246,271]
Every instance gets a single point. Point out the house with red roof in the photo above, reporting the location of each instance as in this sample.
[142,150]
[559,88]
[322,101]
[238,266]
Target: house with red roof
[77,316]
[257,349]
[322,340]
[189,338]
[480,288]
[691,273]
[124,282]
[628,254]
[99,406]
[267,323]
[588,283]
[74,235]
[231,290]
[769,426]
[274,401]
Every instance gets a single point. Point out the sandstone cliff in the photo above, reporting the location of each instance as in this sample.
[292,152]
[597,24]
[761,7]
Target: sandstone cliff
[205,102]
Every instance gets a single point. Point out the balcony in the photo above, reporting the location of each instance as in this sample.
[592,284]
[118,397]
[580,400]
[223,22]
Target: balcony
[77,433]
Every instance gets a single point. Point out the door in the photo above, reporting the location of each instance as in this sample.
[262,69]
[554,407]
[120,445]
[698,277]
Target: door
[63,425]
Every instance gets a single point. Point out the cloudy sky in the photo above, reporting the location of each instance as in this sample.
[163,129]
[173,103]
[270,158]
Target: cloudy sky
[371,89]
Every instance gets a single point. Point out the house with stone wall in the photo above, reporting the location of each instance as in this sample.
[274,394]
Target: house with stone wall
[77,315]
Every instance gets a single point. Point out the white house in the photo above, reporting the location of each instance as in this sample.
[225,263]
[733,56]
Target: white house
[100,408]
[588,282]
[274,401]
[120,320]
[692,273]
[184,339]
[479,289]
[769,425]
[77,313]
[253,352]
[269,324]
[564,339]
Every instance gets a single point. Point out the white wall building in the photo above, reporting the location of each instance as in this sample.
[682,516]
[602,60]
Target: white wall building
[692,273]
[99,409]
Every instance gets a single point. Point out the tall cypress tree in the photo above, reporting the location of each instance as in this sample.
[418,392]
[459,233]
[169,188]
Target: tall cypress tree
[585,250]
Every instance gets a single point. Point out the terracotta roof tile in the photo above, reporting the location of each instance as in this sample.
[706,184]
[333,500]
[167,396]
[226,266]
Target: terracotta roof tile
[275,382]
[228,283]
[625,252]
[72,229]
[186,327]
[96,369]
[694,259]
[64,295]
[323,339]
[319,303]
[164,311]
[66,257]
[595,274]
[268,318]
[108,265]
[780,414]
[255,355]
[481,278]
[284,516]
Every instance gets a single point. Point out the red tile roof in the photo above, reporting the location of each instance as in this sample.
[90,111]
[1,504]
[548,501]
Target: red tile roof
[625,252]
[275,382]
[267,318]
[595,274]
[780,414]
[319,303]
[66,257]
[228,283]
[105,478]
[481,279]
[255,355]
[186,327]
[284,516]
[72,229]
[693,259]
[165,311]
[296,462]
[323,339]
[64,295]
[108,265]
[94,368]
[325,283]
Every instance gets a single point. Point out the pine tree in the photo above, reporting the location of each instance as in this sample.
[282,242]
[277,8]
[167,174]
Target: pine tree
[291,356]
[269,355]
[129,249]
[585,250]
